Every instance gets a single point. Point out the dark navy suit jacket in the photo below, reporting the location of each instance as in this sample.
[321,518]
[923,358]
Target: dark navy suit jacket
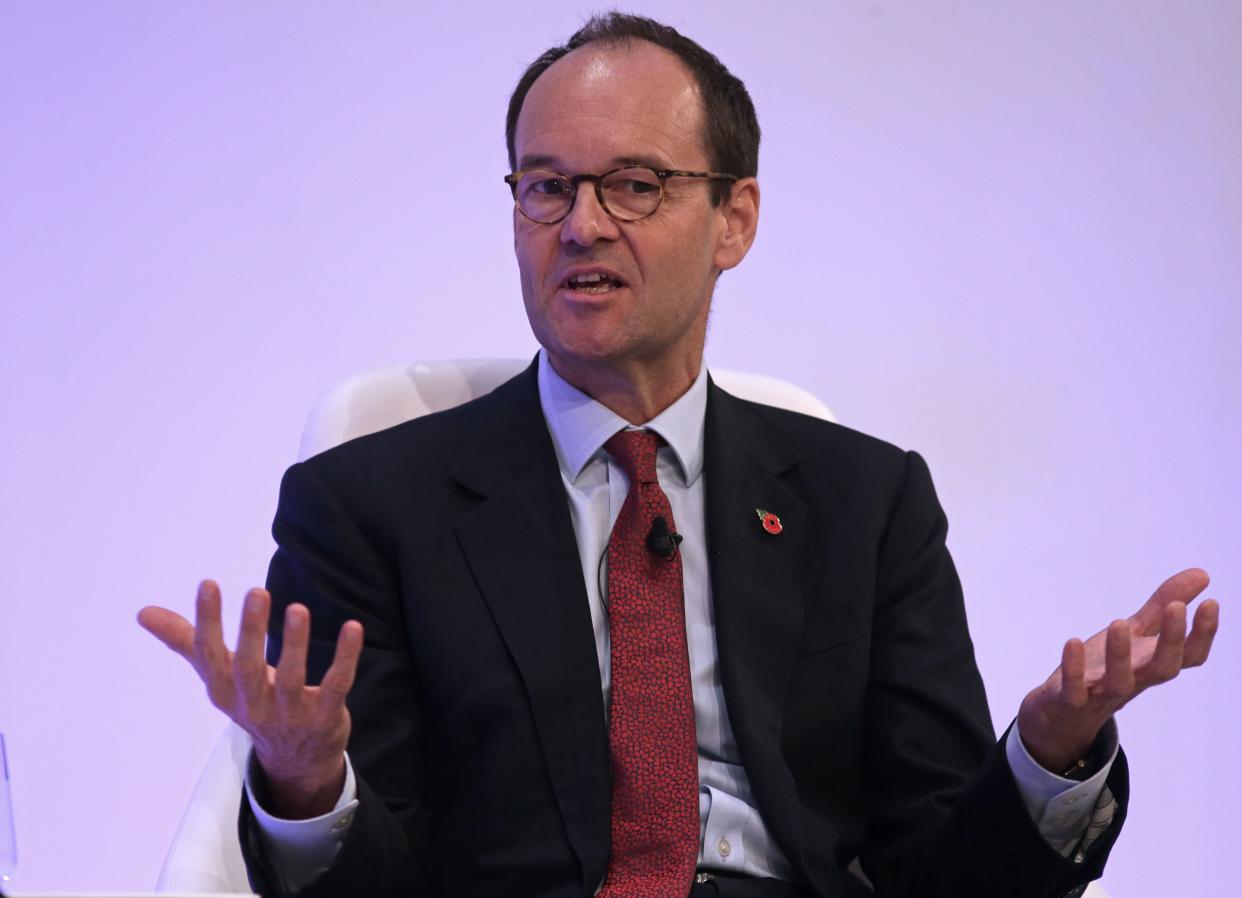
[478,726]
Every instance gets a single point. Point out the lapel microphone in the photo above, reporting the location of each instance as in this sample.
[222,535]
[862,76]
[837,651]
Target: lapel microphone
[661,540]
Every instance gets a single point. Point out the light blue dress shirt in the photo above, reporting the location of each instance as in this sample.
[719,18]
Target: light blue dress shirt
[734,837]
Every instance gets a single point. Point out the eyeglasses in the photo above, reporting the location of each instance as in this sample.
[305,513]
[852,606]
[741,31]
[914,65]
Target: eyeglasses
[630,193]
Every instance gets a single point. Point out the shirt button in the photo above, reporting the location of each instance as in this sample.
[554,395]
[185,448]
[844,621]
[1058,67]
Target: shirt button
[724,847]
[342,822]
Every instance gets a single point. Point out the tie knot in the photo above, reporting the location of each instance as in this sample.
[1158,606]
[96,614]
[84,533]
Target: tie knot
[635,452]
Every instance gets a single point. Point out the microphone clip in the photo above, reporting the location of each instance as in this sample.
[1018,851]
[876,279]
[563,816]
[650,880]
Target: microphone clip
[661,540]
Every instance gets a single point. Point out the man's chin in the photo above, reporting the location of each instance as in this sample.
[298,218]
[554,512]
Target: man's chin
[582,357]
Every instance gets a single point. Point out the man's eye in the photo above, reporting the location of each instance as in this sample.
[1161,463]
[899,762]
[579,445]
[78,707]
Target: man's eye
[550,186]
[634,186]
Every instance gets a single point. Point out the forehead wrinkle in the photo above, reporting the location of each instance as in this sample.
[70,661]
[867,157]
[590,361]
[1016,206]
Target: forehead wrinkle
[664,142]
[682,112]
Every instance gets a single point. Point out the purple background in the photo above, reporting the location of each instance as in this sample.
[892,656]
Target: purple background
[1008,235]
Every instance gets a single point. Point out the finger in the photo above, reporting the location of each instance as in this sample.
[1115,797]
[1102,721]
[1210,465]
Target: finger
[209,644]
[1118,682]
[291,669]
[1166,660]
[1181,587]
[249,663]
[1073,673]
[170,628]
[339,678]
[1203,631]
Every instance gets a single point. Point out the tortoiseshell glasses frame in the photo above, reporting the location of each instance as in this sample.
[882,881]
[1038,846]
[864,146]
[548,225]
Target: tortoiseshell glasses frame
[628,193]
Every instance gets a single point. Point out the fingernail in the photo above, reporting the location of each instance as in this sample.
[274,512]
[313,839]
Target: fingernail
[252,601]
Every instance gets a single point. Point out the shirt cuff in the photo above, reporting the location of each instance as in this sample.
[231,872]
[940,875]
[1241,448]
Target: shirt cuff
[1061,807]
[301,850]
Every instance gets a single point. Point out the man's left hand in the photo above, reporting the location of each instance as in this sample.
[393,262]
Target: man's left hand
[1059,720]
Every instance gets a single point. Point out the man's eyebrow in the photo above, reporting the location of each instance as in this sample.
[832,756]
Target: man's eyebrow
[553,163]
[529,162]
[648,161]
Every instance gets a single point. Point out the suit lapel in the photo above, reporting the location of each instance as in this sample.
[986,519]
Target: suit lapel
[757,591]
[520,546]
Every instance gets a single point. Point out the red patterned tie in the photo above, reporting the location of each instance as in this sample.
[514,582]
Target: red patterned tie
[655,778]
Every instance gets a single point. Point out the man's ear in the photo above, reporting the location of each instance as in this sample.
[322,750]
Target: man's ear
[741,215]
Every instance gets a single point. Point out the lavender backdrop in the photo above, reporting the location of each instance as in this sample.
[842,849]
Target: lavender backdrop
[1008,235]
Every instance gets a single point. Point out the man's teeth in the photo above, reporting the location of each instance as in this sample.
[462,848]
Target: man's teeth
[593,282]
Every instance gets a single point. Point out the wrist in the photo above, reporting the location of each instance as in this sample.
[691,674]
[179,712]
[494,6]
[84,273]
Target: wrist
[1049,739]
[301,795]
[1078,760]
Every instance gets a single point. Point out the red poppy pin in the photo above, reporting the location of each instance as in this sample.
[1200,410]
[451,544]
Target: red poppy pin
[771,523]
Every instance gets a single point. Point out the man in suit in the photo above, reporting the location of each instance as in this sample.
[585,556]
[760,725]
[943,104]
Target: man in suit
[499,712]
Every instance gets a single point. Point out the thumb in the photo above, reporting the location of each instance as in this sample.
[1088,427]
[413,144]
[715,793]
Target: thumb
[168,627]
[1181,587]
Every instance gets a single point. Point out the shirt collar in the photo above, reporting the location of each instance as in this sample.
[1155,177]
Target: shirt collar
[580,426]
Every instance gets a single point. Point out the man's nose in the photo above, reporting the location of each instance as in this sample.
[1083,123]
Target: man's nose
[588,221]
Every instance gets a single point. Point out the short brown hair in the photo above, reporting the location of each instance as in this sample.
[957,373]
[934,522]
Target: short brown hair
[731,128]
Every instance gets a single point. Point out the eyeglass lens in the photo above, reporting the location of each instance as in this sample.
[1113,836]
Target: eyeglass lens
[628,194]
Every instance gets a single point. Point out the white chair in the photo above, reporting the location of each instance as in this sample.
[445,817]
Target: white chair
[205,855]
[377,399]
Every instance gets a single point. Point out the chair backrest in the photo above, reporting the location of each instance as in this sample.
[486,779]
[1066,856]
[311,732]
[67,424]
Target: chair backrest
[205,856]
[374,400]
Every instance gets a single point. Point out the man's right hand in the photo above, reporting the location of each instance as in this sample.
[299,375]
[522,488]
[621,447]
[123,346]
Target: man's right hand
[299,731]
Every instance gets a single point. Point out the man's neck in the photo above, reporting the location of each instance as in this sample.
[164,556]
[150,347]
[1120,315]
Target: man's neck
[635,392]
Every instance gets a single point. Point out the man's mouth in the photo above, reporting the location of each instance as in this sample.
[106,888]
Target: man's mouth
[593,283]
